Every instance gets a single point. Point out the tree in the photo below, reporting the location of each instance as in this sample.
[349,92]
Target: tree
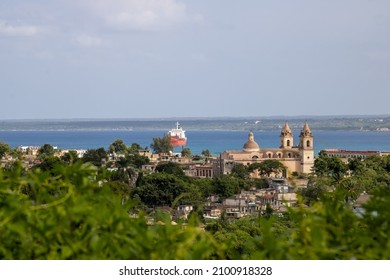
[4,149]
[71,216]
[48,164]
[162,145]
[138,160]
[356,166]
[330,166]
[337,168]
[240,171]
[313,193]
[267,167]
[46,150]
[95,156]
[125,174]
[226,186]
[206,153]
[320,167]
[170,168]
[118,147]
[134,148]
[70,157]
[186,152]
[160,189]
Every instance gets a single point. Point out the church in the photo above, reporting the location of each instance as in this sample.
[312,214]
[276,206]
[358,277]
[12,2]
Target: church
[299,158]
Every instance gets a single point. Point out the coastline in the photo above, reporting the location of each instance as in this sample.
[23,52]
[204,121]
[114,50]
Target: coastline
[335,123]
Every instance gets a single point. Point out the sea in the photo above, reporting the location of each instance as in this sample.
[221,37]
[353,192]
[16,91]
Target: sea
[216,141]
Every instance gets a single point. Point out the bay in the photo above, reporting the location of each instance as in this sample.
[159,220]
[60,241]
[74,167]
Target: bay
[216,141]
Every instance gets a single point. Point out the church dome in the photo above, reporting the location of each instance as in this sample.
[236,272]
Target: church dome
[251,145]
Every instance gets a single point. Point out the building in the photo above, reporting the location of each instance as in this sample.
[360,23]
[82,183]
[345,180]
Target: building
[350,154]
[298,158]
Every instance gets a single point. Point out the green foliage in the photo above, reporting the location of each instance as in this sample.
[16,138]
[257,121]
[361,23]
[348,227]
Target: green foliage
[68,212]
[117,147]
[330,166]
[204,186]
[267,167]
[95,156]
[206,153]
[127,175]
[134,160]
[70,157]
[315,189]
[134,149]
[240,171]
[46,150]
[260,183]
[226,186]
[162,145]
[48,163]
[170,168]
[186,152]
[160,189]
[4,149]
[71,217]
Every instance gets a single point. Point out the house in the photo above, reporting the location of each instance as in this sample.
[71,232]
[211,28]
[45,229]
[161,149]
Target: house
[182,211]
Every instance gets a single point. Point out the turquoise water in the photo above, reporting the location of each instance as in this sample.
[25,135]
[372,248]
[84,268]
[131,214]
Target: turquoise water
[215,141]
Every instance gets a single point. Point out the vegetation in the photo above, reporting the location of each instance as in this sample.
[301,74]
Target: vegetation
[186,152]
[267,167]
[4,149]
[162,145]
[100,208]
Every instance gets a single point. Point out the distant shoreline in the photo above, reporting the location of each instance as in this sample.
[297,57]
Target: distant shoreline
[346,123]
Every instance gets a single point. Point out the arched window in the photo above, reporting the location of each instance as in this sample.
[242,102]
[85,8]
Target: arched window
[289,155]
[288,143]
[269,155]
[255,158]
[308,143]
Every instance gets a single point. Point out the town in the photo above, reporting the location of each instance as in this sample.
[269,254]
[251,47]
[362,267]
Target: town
[264,179]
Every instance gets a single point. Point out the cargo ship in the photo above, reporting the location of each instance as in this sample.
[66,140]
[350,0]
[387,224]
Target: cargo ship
[178,136]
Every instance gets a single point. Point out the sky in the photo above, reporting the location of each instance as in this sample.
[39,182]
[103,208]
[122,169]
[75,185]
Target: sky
[193,58]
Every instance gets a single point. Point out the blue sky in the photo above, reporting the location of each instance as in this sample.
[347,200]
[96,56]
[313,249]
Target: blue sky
[176,58]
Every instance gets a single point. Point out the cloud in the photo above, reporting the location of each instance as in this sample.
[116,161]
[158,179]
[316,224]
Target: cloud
[142,14]
[20,30]
[88,41]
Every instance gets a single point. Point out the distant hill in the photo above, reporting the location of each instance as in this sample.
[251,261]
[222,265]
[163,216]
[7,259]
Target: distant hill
[370,123]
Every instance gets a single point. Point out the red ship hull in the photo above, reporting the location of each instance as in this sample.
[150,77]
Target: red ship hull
[178,142]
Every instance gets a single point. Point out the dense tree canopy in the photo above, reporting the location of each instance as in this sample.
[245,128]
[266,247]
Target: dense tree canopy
[186,152]
[4,149]
[162,145]
[206,153]
[170,168]
[226,186]
[268,167]
[46,150]
[330,166]
[118,146]
[95,156]
[160,189]
[70,157]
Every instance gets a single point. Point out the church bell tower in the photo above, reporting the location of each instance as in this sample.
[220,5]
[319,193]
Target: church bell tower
[286,137]
[306,150]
